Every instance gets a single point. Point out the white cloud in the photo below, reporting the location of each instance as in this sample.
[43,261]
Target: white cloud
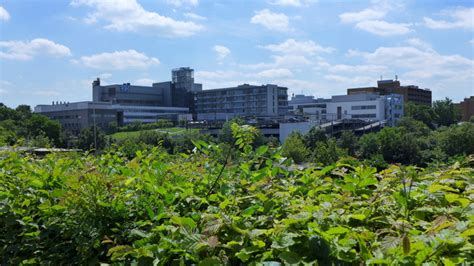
[144,82]
[383,28]
[194,16]
[291,46]
[351,81]
[130,16]
[21,50]
[461,17]
[370,19]
[221,51]
[179,3]
[366,14]
[295,3]
[420,63]
[356,68]
[419,43]
[275,73]
[471,41]
[118,60]
[4,15]
[220,74]
[281,61]
[271,21]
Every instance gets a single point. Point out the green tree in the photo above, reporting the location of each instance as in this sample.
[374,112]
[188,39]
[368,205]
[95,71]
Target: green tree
[327,152]
[86,139]
[456,140]
[225,134]
[40,124]
[294,147]
[420,112]
[348,141]
[418,128]
[396,146]
[368,145]
[445,113]
[314,135]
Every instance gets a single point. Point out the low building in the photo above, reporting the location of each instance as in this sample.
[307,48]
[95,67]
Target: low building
[369,107]
[466,108]
[74,117]
[410,93]
[265,101]
[308,107]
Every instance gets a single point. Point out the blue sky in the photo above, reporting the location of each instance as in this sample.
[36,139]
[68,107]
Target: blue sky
[51,50]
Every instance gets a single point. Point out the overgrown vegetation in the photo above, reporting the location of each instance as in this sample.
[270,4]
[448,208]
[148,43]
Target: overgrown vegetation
[231,204]
[22,127]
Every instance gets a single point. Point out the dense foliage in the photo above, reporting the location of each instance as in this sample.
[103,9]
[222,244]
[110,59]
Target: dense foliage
[22,126]
[231,204]
[411,142]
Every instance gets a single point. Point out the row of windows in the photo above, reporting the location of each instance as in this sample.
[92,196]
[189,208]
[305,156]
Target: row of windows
[363,107]
[153,111]
[66,117]
[223,110]
[364,116]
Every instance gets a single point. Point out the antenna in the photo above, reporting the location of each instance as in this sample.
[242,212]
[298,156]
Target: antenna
[396,77]
[380,77]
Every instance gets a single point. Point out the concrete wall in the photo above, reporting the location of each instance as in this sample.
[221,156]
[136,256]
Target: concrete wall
[287,128]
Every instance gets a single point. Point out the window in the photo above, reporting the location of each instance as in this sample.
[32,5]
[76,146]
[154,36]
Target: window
[364,116]
[363,107]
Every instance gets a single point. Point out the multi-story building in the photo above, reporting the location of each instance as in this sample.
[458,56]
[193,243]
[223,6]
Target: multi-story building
[371,107]
[74,117]
[265,101]
[466,108]
[410,93]
[126,103]
[308,107]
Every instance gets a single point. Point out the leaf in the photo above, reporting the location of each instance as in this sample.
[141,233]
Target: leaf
[368,181]
[469,232]
[337,230]
[284,240]
[210,262]
[359,217]
[184,221]
[437,187]
[261,150]
[289,258]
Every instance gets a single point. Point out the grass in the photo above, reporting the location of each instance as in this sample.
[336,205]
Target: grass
[170,131]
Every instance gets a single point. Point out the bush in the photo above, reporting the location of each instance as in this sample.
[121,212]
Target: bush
[167,210]
[327,152]
[294,148]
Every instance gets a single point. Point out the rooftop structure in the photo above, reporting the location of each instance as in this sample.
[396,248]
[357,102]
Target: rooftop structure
[410,93]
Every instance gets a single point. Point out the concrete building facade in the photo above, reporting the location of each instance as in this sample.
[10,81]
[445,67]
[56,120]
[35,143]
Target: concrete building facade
[410,93]
[265,101]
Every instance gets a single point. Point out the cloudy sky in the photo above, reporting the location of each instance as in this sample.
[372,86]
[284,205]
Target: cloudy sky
[53,49]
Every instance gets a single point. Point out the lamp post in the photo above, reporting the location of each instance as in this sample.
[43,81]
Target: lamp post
[95,129]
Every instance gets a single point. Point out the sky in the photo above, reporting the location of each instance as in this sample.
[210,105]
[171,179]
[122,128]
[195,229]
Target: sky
[51,50]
